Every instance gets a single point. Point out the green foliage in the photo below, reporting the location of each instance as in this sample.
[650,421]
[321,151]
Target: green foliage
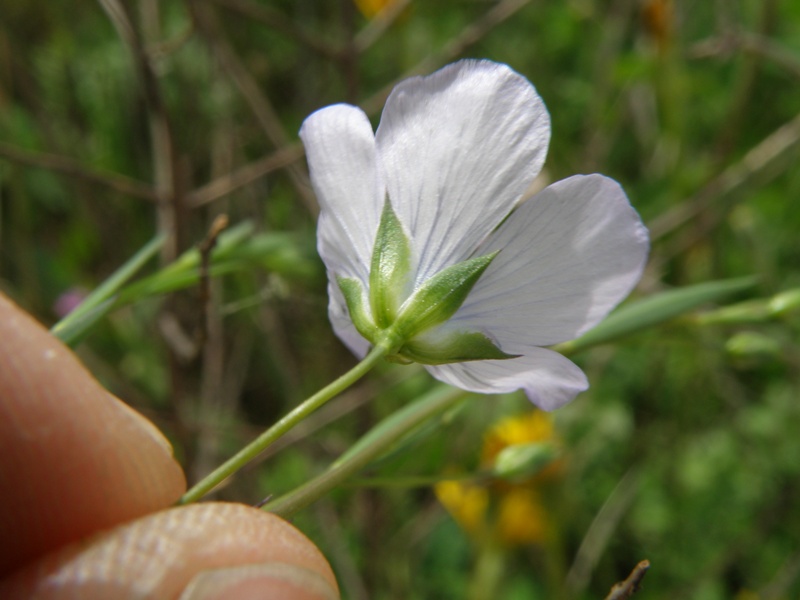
[685,449]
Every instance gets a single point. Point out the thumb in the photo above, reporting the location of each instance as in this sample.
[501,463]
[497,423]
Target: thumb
[210,551]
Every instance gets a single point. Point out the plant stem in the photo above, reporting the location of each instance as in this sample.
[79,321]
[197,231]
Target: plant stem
[488,572]
[387,434]
[272,434]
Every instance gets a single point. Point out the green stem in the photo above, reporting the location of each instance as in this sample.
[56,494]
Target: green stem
[272,434]
[488,572]
[388,433]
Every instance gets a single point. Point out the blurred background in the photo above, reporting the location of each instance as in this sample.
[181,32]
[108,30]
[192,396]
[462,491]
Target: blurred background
[123,120]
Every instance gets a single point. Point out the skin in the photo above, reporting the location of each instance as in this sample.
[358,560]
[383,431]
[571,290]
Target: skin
[86,493]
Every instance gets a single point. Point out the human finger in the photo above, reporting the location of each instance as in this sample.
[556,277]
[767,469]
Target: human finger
[209,551]
[74,458]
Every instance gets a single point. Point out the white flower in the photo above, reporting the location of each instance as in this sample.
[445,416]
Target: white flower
[453,156]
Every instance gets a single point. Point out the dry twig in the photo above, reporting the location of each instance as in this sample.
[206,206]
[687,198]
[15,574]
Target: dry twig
[279,22]
[470,35]
[205,248]
[627,588]
[756,162]
[209,27]
[161,138]
[244,175]
[67,166]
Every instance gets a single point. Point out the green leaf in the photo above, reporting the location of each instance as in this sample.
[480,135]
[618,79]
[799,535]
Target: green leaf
[97,304]
[654,310]
[440,296]
[785,302]
[753,345]
[388,275]
[73,329]
[237,250]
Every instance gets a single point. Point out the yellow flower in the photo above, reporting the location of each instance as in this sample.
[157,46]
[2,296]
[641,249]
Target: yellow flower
[466,503]
[510,513]
[531,427]
[521,518]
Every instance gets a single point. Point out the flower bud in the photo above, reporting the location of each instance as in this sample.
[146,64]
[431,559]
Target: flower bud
[523,461]
[753,348]
[785,302]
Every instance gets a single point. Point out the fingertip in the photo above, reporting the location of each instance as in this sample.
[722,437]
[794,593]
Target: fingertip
[77,459]
[205,551]
[267,581]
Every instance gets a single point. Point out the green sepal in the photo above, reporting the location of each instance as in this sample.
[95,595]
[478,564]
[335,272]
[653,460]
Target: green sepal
[440,296]
[398,359]
[391,262]
[353,293]
[456,347]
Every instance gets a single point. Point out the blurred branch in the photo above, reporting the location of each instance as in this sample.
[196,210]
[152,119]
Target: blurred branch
[213,405]
[599,533]
[453,49]
[728,43]
[205,248]
[209,27]
[163,48]
[287,152]
[164,164]
[376,27]
[609,47]
[627,588]
[768,49]
[280,23]
[245,175]
[68,166]
[772,148]
[745,87]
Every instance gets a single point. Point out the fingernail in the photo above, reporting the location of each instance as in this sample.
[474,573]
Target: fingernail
[269,581]
[144,424]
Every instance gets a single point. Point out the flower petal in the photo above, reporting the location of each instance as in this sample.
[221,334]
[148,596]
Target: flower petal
[568,256]
[340,147]
[548,379]
[458,149]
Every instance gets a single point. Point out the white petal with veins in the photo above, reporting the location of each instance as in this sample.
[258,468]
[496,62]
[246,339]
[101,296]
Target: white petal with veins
[567,257]
[548,379]
[340,147]
[458,149]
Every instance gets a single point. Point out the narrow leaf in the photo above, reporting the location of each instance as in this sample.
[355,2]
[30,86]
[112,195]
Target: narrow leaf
[76,323]
[655,310]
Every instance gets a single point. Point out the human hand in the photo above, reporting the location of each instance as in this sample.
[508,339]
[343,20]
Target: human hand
[86,486]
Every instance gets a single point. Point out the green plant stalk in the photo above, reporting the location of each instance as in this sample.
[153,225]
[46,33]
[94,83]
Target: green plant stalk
[392,429]
[487,572]
[249,452]
[70,327]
